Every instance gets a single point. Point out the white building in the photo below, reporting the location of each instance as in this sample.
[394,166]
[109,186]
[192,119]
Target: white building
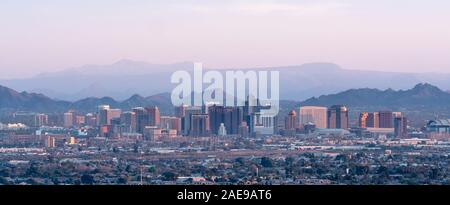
[222,130]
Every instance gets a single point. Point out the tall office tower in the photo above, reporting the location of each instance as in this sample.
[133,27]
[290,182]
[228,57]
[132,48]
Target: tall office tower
[171,123]
[237,117]
[186,120]
[180,111]
[386,119]
[102,114]
[231,117]
[114,114]
[222,130]
[90,119]
[128,119]
[291,121]
[68,119]
[200,125]
[41,119]
[337,117]
[313,115]
[400,126]
[142,119]
[244,129]
[106,114]
[207,105]
[251,106]
[80,120]
[216,116]
[56,120]
[396,114]
[154,116]
[373,120]
[363,119]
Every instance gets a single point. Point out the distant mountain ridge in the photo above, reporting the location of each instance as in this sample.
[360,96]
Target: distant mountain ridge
[423,95]
[11,100]
[297,83]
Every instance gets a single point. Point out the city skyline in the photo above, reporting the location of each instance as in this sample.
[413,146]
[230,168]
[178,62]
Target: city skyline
[381,35]
[224,93]
[100,141]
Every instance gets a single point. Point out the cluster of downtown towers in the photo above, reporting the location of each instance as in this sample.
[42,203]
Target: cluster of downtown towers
[245,121]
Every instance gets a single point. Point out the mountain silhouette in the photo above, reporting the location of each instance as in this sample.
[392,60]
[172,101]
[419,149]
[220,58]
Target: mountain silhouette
[297,82]
[421,96]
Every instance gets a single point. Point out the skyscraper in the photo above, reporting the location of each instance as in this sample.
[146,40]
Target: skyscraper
[217,116]
[129,119]
[337,117]
[187,119]
[291,121]
[369,120]
[68,119]
[373,120]
[91,119]
[142,119]
[386,119]
[244,129]
[180,111]
[315,115]
[102,115]
[106,114]
[363,119]
[400,126]
[200,125]
[231,117]
[154,116]
[171,123]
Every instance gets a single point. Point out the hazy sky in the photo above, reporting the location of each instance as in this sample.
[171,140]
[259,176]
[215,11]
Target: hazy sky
[391,35]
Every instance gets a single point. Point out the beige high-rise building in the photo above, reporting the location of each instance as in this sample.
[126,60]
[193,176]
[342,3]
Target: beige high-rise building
[315,115]
[68,119]
[363,119]
[106,114]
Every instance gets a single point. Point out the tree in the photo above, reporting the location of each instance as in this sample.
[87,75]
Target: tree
[4,181]
[266,162]
[169,176]
[87,179]
[152,169]
[33,170]
[289,161]
[122,180]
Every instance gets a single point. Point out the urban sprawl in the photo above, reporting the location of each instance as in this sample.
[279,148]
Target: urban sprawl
[213,144]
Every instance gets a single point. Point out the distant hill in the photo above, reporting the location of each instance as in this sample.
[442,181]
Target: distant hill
[422,96]
[298,82]
[423,101]
[11,100]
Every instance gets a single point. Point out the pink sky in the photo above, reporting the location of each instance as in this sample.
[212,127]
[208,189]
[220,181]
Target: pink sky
[50,35]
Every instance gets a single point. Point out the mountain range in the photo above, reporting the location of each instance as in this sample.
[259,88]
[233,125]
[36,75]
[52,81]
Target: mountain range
[424,98]
[297,83]
[11,100]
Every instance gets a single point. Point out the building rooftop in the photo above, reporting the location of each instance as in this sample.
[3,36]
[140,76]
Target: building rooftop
[440,122]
